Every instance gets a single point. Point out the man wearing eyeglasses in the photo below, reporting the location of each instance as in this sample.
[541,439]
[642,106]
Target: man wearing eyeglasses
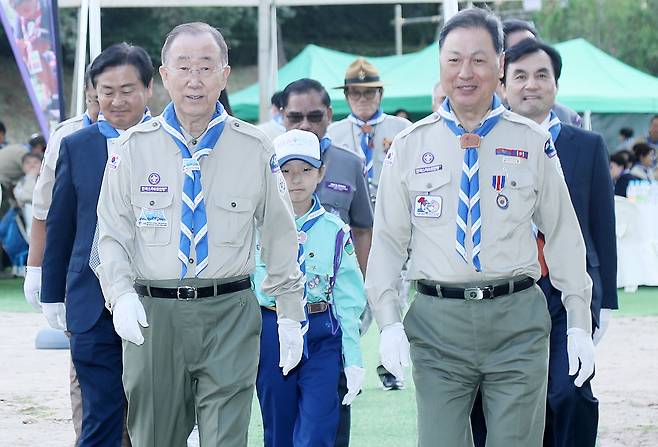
[367,131]
[180,202]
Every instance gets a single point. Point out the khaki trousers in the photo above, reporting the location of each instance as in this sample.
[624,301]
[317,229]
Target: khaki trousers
[499,346]
[199,359]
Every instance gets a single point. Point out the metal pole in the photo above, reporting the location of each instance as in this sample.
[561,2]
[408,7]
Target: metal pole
[398,29]
[450,8]
[264,47]
[587,120]
[80,59]
[94,29]
[274,55]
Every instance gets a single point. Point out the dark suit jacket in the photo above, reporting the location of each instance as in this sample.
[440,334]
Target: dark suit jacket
[584,160]
[70,229]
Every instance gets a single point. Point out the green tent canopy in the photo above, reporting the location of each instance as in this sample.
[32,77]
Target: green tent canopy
[591,80]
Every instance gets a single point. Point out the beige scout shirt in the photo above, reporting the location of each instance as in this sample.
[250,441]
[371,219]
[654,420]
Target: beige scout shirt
[242,192]
[347,134]
[43,191]
[425,162]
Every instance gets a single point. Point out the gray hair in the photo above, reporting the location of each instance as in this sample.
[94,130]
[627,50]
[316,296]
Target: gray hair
[196,28]
[475,18]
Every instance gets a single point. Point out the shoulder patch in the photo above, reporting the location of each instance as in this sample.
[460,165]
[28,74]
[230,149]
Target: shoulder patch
[549,148]
[390,158]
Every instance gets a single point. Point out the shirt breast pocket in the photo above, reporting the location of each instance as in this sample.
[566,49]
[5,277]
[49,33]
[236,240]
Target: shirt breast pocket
[232,220]
[522,196]
[154,217]
[335,195]
[430,199]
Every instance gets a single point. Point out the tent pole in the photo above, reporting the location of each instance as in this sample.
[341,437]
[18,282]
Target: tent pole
[587,120]
[264,57]
[450,8]
[398,29]
[80,60]
[94,29]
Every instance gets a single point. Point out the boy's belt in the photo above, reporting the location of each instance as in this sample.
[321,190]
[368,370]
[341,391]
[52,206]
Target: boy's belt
[311,308]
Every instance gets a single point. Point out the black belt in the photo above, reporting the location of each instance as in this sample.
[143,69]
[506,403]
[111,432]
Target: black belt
[473,293]
[190,292]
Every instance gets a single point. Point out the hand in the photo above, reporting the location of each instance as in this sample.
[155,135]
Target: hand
[291,344]
[32,286]
[127,315]
[55,314]
[355,376]
[599,332]
[580,347]
[394,349]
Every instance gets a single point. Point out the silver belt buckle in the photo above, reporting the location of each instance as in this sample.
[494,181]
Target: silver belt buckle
[186,288]
[473,293]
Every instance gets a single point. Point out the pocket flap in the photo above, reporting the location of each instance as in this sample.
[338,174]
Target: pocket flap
[235,204]
[425,182]
[152,200]
[519,180]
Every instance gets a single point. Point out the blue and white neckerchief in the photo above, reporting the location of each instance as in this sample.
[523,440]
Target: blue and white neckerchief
[325,142]
[194,222]
[554,126]
[86,119]
[110,132]
[469,192]
[367,142]
[311,218]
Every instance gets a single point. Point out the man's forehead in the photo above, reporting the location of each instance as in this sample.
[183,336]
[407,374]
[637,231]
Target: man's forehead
[309,100]
[463,40]
[535,62]
[189,45]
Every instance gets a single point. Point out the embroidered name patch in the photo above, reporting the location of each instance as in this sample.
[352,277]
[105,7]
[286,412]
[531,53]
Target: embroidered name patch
[340,187]
[511,152]
[424,169]
[152,188]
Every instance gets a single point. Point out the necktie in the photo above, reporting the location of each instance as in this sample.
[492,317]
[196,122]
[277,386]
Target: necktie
[367,134]
[194,222]
[469,186]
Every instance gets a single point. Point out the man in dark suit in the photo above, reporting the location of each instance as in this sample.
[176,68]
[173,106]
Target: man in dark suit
[532,70]
[122,76]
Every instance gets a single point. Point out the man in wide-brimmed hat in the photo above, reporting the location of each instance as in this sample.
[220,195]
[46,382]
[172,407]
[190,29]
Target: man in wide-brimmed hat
[367,131]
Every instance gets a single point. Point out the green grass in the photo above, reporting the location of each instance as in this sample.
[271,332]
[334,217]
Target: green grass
[379,418]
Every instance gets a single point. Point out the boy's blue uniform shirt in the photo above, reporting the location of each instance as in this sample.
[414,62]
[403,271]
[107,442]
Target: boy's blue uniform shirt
[348,298]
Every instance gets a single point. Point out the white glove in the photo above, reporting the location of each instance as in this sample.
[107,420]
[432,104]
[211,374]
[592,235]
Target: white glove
[394,349]
[580,347]
[291,343]
[599,332]
[32,286]
[55,314]
[127,315]
[355,376]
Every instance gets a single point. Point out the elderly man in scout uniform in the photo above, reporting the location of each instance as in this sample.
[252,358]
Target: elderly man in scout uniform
[367,131]
[462,188]
[178,209]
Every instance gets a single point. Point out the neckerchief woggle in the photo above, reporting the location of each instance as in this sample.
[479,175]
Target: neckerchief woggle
[194,222]
[312,216]
[469,188]
[106,128]
[367,133]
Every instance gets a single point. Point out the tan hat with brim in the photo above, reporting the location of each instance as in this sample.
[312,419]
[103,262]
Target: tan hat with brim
[361,73]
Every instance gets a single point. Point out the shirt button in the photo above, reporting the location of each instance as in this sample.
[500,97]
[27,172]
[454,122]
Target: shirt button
[191,261]
[236,124]
[194,142]
[513,183]
[233,204]
[311,255]
[428,186]
[152,202]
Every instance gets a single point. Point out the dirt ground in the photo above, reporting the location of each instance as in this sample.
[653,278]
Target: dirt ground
[35,408]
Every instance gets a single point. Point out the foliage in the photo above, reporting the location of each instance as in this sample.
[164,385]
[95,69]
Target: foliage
[627,29]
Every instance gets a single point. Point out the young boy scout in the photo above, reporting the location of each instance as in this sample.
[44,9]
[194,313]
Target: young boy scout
[178,209]
[462,188]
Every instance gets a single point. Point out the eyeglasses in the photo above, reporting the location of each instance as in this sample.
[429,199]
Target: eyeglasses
[186,72]
[368,94]
[313,117]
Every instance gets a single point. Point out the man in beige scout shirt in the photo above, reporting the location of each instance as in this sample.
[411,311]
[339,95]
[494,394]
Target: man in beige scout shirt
[179,205]
[462,188]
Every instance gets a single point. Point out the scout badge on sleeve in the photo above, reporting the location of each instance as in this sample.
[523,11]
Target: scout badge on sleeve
[498,183]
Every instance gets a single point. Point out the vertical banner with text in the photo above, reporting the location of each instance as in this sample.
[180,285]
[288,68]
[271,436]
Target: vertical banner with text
[31,27]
